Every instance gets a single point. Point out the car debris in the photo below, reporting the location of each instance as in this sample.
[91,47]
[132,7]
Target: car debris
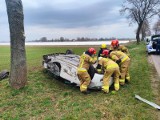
[4,74]
[148,102]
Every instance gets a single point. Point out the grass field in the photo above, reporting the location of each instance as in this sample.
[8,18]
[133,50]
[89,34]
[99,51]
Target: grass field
[45,98]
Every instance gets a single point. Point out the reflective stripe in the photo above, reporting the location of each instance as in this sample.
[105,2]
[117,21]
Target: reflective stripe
[116,86]
[93,59]
[99,70]
[105,89]
[90,60]
[84,87]
[82,70]
[128,78]
[83,57]
[122,80]
[124,58]
[114,57]
[112,66]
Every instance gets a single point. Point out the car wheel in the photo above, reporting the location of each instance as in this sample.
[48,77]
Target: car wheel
[69,52]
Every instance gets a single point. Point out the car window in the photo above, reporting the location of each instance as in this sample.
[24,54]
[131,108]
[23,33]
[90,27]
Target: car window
[155,38]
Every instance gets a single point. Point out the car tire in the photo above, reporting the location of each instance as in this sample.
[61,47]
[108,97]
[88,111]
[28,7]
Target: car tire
[69,52]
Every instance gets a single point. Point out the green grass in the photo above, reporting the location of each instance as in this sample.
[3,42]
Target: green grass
[45,98]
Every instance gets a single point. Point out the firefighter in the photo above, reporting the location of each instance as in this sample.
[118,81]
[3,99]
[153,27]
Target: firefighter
[103,47]
[115,46]
[110,67]
[123,60]
[86,59]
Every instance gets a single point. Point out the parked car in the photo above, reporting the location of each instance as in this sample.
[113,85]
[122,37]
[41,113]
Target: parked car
[151,44]
[65,65]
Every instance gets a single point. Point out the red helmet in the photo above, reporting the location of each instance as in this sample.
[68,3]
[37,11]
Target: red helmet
[115,42]
[105,52]
[92,51]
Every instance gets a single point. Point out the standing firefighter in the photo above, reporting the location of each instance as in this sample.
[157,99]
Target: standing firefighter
[123,60]
[86,60]
[103,47]
[110,67]
[115,46]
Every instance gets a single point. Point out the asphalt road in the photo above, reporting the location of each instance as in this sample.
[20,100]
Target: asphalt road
[156,61]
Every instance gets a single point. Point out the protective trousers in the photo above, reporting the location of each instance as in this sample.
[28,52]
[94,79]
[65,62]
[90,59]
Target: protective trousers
[124,69]
[107,76]
[85,79]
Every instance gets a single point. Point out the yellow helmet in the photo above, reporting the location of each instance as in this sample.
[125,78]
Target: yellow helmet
[103,46]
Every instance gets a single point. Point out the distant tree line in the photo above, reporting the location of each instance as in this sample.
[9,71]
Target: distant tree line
[62,39]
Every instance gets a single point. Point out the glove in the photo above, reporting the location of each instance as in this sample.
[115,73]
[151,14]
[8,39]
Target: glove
[118,61]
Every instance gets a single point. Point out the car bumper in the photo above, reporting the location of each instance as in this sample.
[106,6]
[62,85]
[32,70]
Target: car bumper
[150,49]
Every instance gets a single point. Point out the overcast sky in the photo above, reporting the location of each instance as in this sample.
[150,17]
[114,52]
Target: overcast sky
[70,19]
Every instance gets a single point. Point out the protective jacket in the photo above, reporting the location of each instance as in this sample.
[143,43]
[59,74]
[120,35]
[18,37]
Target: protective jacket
[110,67]
[82,72]
[124,62]
[118,55]
[85,61]
[121,48]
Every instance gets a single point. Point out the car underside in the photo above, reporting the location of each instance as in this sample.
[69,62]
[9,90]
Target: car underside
[64,65]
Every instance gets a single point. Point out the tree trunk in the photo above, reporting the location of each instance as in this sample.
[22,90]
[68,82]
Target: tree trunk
[138,32]
[18,74]
[143,36]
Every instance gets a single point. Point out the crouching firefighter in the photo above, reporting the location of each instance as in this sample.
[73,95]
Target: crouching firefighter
[124,61]
[110,67]
[86,59]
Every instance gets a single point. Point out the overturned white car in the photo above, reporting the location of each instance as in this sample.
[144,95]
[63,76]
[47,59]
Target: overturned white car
[65,65]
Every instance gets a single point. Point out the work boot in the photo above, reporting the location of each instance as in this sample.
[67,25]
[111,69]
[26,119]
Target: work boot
[121,81]
[127,80]
[105,92]
[86,92]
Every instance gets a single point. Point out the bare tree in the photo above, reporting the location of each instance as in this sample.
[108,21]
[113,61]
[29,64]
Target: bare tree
[156,27]
[140,10]
[18,75]
[145,29]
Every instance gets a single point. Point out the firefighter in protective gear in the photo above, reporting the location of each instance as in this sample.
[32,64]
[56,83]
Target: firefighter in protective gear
[110,67]
[123,60]
[86,59]
[115,46]
[103,47]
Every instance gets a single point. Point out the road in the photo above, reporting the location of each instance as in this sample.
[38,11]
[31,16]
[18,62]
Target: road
[155,81]
[155,59]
